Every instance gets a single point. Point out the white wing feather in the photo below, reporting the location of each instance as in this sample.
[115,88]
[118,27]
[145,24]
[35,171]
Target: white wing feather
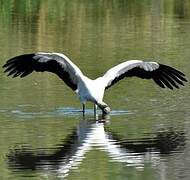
[122,68]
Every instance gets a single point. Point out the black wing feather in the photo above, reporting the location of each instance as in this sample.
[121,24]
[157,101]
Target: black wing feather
[164,76]
[24,65]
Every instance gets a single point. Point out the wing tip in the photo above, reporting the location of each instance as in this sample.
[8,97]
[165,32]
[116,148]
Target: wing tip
[163,66]
[13,66]
[174,76]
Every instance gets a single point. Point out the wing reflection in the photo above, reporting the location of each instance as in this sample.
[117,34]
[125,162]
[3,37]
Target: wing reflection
[164,142]
[92,134]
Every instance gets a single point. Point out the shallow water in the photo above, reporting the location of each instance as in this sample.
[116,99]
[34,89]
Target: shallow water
[43,133]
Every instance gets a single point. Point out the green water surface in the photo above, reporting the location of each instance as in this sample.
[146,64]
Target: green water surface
[41,126]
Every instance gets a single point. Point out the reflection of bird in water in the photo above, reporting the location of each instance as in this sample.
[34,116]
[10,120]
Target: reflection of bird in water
[86,88]
[93,135]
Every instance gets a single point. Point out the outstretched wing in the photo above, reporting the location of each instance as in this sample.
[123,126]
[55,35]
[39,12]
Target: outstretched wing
[163,75]
[52,62]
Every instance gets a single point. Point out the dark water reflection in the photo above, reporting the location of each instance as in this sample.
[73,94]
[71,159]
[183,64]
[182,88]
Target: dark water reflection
[95,134]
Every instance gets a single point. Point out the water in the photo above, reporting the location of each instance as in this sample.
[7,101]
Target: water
[43,133]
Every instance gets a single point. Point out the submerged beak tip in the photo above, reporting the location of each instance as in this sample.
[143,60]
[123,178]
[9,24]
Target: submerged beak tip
[106,110]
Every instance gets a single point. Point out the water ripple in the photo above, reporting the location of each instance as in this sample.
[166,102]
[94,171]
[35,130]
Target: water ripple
[21,112]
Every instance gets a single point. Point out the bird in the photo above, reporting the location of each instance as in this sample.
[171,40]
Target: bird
[93,89]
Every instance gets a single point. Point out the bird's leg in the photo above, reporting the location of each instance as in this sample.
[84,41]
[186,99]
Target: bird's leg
[83,109]
[95,109]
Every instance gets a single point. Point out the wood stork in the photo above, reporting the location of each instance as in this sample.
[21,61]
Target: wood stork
[86,88]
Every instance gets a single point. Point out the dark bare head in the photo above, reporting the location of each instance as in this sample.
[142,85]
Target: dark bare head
[104,107]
